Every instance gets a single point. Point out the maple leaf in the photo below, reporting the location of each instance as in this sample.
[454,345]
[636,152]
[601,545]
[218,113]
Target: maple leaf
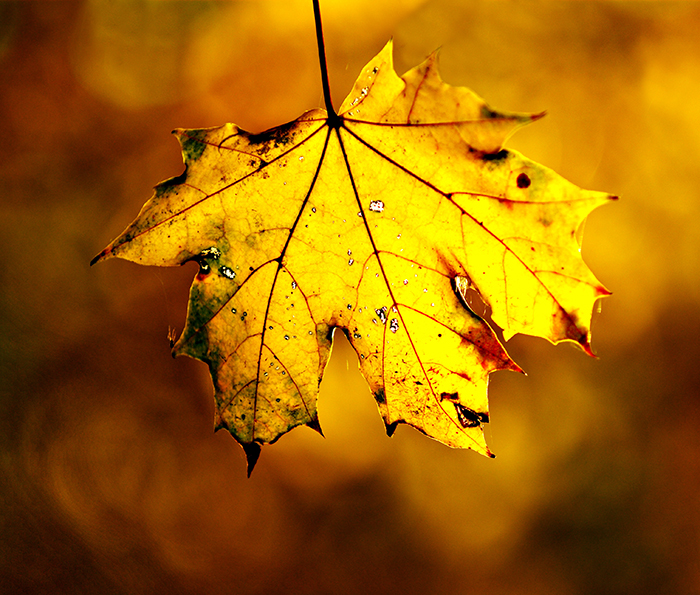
[376,220]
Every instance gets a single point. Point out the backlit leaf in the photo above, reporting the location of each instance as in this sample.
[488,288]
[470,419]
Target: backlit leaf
[383,222]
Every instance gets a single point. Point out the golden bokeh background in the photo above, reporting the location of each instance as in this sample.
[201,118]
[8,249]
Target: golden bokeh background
[112,480]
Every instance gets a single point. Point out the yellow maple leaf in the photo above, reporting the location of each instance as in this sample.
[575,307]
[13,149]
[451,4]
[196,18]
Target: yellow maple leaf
[376,221]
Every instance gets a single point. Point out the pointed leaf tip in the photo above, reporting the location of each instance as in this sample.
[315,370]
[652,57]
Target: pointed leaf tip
[100,256]
[252,454]
[391,428]
[587,349]
[314,424]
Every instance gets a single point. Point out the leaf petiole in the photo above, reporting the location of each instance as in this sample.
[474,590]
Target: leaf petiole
[333,119]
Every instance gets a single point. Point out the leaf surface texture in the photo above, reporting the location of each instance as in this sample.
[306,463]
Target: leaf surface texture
[380,222]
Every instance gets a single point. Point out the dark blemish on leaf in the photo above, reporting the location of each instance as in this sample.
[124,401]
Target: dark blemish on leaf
[487,113]
[193,144]
[449,396]
[243,416]
[391,428]
[279,135]
[469,418]
[500,156]
[202,259]
[419,383]
[380,396]
[523,181]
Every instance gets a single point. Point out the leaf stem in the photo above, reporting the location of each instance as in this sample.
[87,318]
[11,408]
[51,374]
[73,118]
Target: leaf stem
[332,115]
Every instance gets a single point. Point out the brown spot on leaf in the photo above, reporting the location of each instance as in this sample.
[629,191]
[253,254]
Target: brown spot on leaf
[523,181]
[469,418]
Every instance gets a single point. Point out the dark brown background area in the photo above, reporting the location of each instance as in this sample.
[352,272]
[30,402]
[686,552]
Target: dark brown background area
[112,480]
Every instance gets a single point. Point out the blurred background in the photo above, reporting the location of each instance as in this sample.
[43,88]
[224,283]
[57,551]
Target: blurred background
[111,478]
